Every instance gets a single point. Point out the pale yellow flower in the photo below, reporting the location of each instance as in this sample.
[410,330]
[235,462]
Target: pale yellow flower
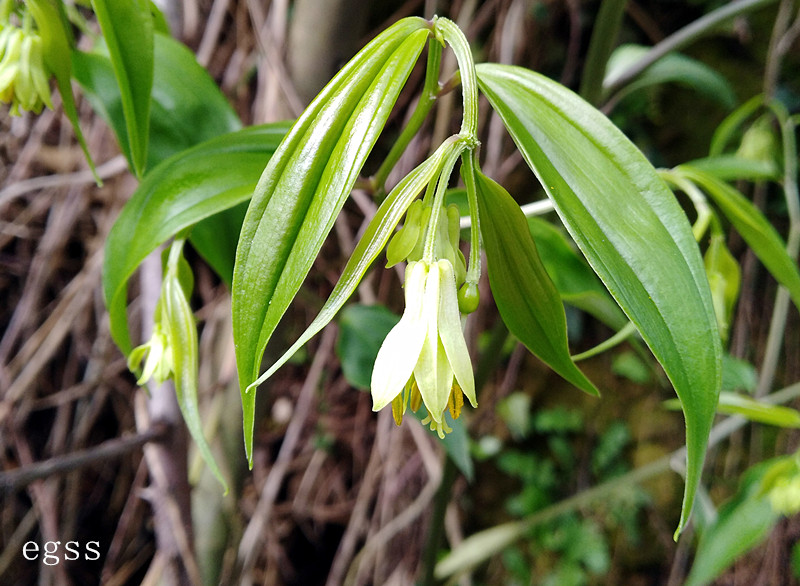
[426,351]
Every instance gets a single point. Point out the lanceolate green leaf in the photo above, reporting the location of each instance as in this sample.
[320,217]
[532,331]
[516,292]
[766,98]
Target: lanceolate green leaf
[630,229]
[525,296]
[304,187]
[183,94]
[57,48]
[128,30]
[180,192]
[748,220]
[670,68]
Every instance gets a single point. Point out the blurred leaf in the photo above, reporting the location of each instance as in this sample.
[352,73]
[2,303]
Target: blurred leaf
[738,374]
[303,188]
[673,67]
[128,31]
[183,190]
[734,404]
[630,229]
[525,296]
[576,282]
[215,238]
[742,523]
[630,366]
[57,50]
[362,329]
[751,224]
[724,278]
[183,94]
[733,168]
[515,410]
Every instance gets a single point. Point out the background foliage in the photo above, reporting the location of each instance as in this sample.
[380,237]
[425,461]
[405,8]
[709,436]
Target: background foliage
[331,481]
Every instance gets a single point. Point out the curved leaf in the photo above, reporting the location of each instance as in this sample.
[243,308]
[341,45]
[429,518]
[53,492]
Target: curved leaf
[57,46]
[673,67]
[183,94]
[128,30]
[630,229]
[180,192]
[751,224]
[305,185]
[527,299]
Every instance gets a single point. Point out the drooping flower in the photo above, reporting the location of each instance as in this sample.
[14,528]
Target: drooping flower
[425,352]
[24,80]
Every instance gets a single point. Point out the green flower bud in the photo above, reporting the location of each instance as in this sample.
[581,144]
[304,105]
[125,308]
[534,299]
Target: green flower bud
[468,297]
[405,240]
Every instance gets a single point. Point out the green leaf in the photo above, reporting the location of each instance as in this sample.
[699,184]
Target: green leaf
[525,296]
[735,404]
[183,93]
[724,278]
[673,67]
[128,31]
[732,168]
[183,190]
[362,329]
[181,333]
[57,43]
[576,282]
[629,227]
[305,185]
[748,220]
[742,523]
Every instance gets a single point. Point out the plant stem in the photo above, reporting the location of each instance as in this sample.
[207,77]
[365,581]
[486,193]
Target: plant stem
[617,338]
[684,37]
[468,172]
[604,37]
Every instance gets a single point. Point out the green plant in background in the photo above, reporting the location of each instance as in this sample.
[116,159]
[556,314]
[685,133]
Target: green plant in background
[636,262]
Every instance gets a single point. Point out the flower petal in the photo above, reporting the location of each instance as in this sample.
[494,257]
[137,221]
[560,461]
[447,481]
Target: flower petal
[450,332]
[433,373]
[402,346]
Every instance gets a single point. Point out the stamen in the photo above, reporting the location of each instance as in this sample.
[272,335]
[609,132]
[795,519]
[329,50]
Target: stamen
[455,401]
[398,408]
[415,398]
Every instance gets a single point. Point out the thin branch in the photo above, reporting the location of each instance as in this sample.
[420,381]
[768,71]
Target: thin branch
[14,480]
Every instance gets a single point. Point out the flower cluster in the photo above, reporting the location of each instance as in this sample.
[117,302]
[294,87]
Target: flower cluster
[424,359]
[24,80]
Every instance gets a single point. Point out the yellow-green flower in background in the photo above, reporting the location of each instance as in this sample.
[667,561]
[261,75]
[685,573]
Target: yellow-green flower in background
[425,352]
[24,81]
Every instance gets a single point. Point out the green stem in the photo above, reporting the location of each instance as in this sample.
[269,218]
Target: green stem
[604,37]
[426,101]
[704,213]
[686,36]
[617,338]
[468,169]
[453,36]
[438,202]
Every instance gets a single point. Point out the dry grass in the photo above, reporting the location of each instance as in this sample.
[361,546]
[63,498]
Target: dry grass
[337,494]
